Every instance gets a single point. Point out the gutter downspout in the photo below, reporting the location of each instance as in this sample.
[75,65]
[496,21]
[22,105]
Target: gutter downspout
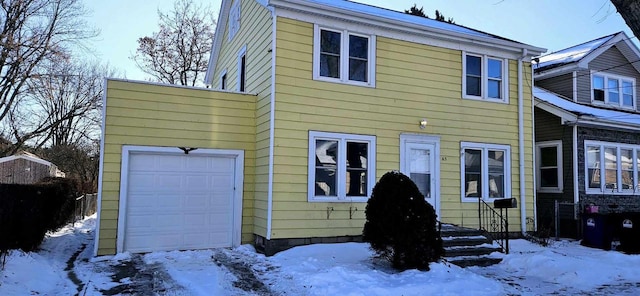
[521,163]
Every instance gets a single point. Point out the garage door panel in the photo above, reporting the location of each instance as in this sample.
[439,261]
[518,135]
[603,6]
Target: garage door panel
[177,201]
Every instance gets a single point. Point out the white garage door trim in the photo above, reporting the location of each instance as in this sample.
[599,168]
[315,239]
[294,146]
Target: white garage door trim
[238,155]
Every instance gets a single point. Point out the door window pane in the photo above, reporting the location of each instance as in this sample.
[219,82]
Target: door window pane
[420,170]
[473,172]
[356,169]
[593,166]
[326,164]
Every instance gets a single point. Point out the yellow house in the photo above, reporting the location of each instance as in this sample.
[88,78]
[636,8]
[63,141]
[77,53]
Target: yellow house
[310,103]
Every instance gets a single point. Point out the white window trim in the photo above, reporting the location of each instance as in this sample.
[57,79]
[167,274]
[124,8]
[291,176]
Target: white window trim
[485,78]
[341,166]
[558,145]
[242,52]
[485,169]
[618,190]
[222,75]
[234,19]
[620,79]
[344,57]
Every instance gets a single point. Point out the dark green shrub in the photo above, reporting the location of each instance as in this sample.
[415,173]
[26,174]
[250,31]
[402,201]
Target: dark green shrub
[401,225]
[27,212]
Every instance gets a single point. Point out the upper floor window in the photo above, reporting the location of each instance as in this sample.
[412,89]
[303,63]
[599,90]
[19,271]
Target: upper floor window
[234,19]
[341,167]
[549,166]
[242,69]
[223,80]
[485,77]
[613,90]
[612,167]
[485,171]
[344,56]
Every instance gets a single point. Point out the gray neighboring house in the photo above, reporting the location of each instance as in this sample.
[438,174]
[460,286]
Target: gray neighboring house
[587,132]
[26,168]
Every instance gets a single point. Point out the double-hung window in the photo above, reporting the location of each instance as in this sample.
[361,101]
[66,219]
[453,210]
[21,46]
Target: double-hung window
[486,171]
[612,167]
[344,56]
[613,90]
[341,167]
[549,166]
[485,77]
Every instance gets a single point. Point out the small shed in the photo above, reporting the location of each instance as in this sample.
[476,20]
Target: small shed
[26,168]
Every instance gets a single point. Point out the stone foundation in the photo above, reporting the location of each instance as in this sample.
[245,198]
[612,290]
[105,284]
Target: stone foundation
[273,246]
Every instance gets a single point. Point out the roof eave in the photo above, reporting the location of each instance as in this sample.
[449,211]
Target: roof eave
[399,25]
[568,68]
[225,6]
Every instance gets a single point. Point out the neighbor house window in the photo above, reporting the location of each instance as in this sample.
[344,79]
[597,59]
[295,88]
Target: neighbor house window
[613,90]
[344,56]
[485,171]
[619,174]
[485,77]
[234,19]
[242,69]
[341,167]
[549,166]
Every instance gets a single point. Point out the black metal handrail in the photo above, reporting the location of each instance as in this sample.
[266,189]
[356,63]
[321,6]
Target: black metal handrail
[494,224]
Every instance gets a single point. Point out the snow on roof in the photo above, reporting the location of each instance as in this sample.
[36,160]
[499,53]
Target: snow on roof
[404,17]
[570,55]
[584,111]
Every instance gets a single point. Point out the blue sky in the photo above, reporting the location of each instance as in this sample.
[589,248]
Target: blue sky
[551,24]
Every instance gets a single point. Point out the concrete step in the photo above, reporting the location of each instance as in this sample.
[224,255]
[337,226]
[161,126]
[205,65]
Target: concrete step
[453,241]
[480,250]
[468,261]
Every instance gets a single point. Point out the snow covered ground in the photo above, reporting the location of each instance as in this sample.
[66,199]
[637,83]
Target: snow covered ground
[64,266]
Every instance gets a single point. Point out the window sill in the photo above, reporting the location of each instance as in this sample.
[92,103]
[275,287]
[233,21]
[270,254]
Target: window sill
[335,200]
[347,82]
[483,99]
[550,190]
[609,192]
[475,199]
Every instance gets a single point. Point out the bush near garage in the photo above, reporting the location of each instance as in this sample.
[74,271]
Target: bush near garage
[27,212]
[401,224]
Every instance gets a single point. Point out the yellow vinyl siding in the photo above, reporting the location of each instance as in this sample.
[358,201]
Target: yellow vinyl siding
[413,81]
[255,33]
[155,115]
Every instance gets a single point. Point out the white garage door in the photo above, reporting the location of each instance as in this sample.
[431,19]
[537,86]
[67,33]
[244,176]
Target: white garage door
[178,201]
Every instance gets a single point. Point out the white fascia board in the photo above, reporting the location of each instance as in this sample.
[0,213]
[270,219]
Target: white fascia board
[558,71]
[223,16]
[26,157]
[584,62]
[565,116]
[454,38]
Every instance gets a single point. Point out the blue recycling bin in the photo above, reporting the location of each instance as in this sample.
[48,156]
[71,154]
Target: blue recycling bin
[597,231]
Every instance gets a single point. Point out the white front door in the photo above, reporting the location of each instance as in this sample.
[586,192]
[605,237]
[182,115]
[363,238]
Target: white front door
[419,157]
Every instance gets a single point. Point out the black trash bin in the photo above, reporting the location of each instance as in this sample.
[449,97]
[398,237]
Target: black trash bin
[597,231]
[630,233]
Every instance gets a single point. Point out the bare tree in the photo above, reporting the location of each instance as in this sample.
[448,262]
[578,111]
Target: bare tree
[66,102]
[179,52]
[630,12]
[33,34]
